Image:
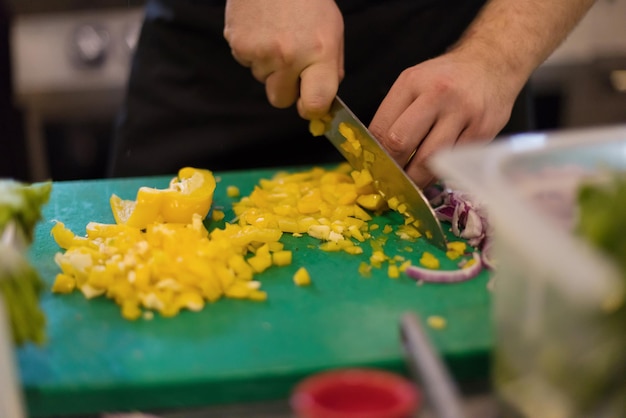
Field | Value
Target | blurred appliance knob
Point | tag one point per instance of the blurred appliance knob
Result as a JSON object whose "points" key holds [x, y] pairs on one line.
{"points": [[90, 45], [131, 36]]}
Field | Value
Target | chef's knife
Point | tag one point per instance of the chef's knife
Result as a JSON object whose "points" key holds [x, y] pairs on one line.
{"points": [[389, 178]]}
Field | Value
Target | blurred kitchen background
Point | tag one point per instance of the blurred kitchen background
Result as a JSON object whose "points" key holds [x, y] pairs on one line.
{"points": [[64, 63]]}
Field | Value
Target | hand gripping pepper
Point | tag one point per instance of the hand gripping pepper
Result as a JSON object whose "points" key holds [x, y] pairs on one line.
{"points": [[188, 193]]}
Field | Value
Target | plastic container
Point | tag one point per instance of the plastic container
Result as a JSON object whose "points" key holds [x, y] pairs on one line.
{"points": [[559, 339], [355, 393]]}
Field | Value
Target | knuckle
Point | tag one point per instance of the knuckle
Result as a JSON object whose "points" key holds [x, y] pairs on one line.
{"points": [[342, 74], [396, 142], [315, 101], [408, 74], [392, 141], [281, 52], [314, 106], [444, 86], [253, 50], [280, 101], [377, 131], [239, 47], [486, 126]]}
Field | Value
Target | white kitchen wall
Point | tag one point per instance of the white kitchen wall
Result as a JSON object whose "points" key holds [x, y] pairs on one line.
{"points": [[601, 33]]}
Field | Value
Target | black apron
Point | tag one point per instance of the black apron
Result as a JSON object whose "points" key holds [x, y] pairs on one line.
{"points": [[189, 103]]}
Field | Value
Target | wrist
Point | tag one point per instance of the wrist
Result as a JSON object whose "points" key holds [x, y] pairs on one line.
{"points": [[504, 67]]}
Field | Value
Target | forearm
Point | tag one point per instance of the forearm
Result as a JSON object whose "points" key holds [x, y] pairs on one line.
{"points": [[516, 36]]}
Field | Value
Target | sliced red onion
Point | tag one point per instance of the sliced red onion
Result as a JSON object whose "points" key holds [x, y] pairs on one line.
{"points": [[435, 194], [446, 276], [460, 209], [444, 212], [473, 226], [468, 219], [485, 254], [467, 216]]}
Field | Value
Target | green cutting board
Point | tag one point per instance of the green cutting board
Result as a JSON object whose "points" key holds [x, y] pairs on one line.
{"points": [[233, 350]]}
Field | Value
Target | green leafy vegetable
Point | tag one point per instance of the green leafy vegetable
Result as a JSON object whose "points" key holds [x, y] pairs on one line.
{"points": [[602, 222], [22, 204], [20, 284], [601, 218]]}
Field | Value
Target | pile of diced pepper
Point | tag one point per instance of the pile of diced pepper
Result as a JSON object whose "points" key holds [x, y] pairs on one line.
{"points": [[159, 255]]}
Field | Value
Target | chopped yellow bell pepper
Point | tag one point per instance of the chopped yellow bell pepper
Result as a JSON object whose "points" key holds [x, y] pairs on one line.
{"points": [[377, 258], [352, 144], [302, 277], [372, 201], [393, 271], [365, 269], [429, 261], [232, 191], [159, 256], [189, 193], [317, 127], [218, 215], [64, 283], [257, 295], [282, 258], [455, 249], [436, 322], [166, 267]]}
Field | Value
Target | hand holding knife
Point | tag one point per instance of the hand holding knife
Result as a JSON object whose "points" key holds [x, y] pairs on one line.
{"points": [[391, 180]]}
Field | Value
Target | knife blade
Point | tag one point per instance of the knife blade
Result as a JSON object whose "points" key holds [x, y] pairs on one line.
{"points": [[355, 142]]}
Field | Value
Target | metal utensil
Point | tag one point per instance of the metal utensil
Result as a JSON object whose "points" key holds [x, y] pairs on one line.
{"points": [[441, 391], [389, 178]]}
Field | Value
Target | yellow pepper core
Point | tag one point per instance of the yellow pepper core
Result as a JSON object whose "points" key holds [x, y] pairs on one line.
{"points": [[191, 192]]}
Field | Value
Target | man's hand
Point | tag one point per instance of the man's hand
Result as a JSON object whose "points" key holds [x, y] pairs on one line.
{"points": [[294, 47], [441, 102], [467, 94]]}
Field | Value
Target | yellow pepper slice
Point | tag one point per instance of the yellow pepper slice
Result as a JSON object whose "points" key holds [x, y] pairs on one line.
{"points": [[189, 193]]}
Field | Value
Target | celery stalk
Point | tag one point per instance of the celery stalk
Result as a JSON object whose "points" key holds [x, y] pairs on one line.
{"points": [[20, 284]]}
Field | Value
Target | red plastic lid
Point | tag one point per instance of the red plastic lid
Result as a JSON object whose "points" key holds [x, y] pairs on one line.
{"points": [[351, 393]]}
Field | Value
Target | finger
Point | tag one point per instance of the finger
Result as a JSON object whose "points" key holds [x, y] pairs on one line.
{"points": [[281, 88], [469, 137], [390, 109], [318, 87], [261, 71], [481, 131], [402, 121], [341, 62], [409, 130], [403, 135], [444, 134]]}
